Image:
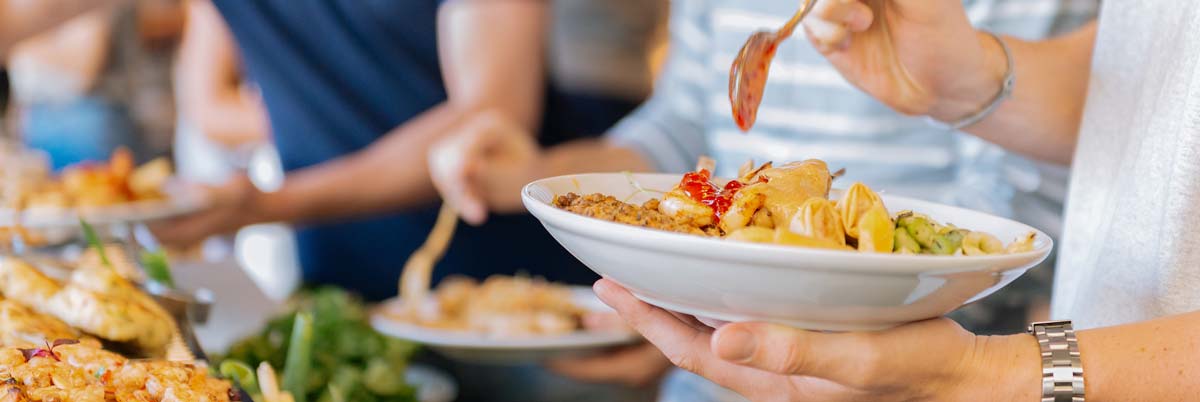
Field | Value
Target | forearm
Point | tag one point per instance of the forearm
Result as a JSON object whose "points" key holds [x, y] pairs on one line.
{"points": [[1155, 360], [233, 120], [1042, 117], [209, 82], [1145, 361], [390, 175], [20, 19]]}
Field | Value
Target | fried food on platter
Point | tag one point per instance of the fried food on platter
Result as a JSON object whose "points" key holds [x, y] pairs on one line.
{"points": [[95, 299], [94, 184], [71, 371]]}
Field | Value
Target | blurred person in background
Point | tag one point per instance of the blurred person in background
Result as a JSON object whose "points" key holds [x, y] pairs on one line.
{"points": [[20, 19], [221, 115], [355, 92], [99, 82], [809, 111]]}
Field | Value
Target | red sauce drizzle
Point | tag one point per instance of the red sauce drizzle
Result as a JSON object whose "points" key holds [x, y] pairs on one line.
{"points": [[699, 187]]}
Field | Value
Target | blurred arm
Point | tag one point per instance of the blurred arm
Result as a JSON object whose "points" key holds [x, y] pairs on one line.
{"points": [[209, 82], [1042, 118], [492, 58], [23, 18]]}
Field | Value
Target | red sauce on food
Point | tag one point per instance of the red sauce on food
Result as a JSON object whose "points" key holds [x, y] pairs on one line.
{"points": [[699, 187]]}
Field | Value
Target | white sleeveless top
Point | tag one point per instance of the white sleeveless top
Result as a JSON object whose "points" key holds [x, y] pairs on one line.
{"points": [[1131, 250]]}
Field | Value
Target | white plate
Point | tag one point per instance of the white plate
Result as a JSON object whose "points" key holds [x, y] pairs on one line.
{"points": [[482, 348], [432, 385], [816, 289], [180, 202]]}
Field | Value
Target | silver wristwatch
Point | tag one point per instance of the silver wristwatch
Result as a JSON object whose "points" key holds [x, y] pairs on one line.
{"points": [[1062, 371]]}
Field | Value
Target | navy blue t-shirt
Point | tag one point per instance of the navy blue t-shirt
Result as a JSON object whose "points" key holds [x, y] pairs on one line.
{"points": [[338, 74]]}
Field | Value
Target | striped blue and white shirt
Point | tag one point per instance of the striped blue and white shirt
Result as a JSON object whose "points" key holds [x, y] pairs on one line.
{"points": [[810, 111]]}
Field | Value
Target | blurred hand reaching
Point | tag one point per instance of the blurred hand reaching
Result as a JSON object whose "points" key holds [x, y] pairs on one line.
{"points": [[482, 165], [228, 207]]}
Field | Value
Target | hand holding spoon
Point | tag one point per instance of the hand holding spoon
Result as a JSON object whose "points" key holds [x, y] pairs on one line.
{"points": [[748, 75]]}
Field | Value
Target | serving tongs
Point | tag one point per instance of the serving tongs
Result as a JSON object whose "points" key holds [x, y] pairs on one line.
{"points": [[418, 270], [185, 309]]}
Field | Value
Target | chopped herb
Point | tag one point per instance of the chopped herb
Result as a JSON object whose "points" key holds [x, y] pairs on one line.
{"points": [[158, 268], [93, 240]]}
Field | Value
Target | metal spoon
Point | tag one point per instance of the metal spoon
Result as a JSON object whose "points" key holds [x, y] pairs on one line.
{"points": [[748, 74]]}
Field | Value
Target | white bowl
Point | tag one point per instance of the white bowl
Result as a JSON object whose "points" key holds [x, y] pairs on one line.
{"points": [[482, 348], [719, 280], [432, 385]]}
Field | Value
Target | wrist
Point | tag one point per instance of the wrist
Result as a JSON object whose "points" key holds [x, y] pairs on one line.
{"points": [[977, 87], [256, 206], [263, 207], [1011, 369]]}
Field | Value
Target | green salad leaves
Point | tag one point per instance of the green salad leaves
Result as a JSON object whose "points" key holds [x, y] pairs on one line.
{"points": [[329, 352]]}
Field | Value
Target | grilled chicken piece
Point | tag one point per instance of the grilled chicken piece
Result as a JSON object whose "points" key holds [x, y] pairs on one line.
{"points": [[95, 299], [20, 326]]}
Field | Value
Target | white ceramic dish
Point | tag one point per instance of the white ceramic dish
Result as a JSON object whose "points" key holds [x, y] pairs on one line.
{"points": [[720, 280], [180, 202], [432, 385], [481, 348]]}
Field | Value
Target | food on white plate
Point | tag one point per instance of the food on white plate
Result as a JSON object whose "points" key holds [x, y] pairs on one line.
{"points": [[500, 306], [790, 205], [95, 299], [91, 184], [69, 370]]}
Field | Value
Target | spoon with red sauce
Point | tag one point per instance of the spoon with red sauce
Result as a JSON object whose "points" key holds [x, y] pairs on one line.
{"points": [[748, 75]]}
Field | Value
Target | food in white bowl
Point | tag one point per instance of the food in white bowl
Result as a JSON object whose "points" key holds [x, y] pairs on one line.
{"points": [[790, 205], [822, 286]]}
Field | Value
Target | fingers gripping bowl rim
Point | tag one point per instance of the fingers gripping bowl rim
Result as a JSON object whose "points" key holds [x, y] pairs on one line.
{"points": [[803, 287]]}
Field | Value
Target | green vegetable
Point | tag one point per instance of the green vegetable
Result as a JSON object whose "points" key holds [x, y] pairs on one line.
{"points": [[346, 353], [335, 394], [94, 241], [243, 375], [299, 358], [157, 267], [381, 378], [948, 243], [905, 243], [920, 229]]}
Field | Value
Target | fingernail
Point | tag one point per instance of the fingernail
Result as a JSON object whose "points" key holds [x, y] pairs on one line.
{"points": [[735, 344], [601, 287], [474, 214]]}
